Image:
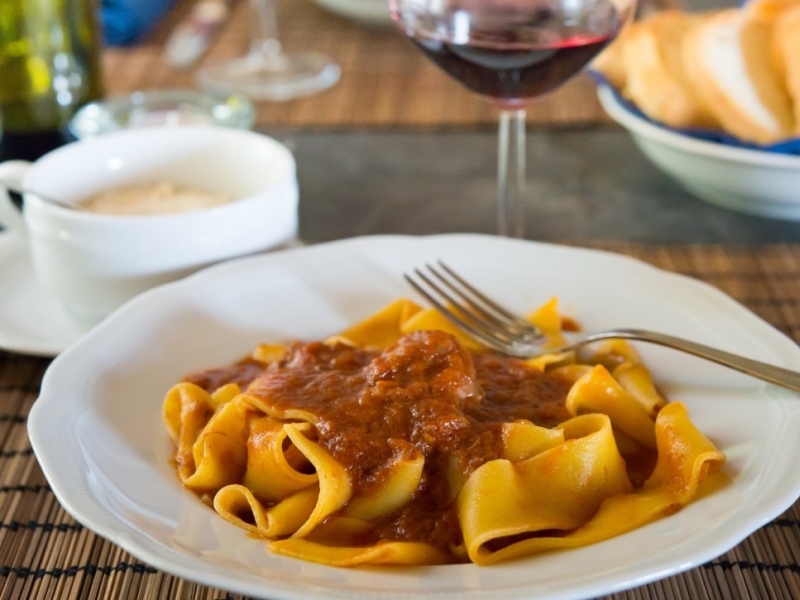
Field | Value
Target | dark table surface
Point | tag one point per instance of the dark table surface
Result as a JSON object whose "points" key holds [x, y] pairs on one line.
{"points": [[584, 185]]}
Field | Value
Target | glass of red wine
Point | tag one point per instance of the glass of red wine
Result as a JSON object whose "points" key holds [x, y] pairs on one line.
{"points": [[511, 52]]}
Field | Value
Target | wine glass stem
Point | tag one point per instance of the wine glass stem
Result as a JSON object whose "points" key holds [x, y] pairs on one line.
{"points": [[511, 173], [264, 35]]}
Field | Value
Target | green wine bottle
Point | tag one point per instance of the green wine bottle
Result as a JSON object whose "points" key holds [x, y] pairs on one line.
{"points": [[49, 67]]}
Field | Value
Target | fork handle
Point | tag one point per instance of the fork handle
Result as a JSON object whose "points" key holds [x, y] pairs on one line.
{"points": [[779, 376]]}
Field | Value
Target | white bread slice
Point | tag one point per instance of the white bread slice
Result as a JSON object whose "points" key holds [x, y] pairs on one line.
{"points": [[767, 11], [727, 59], [656, 81], [786, 55], [610, 62]]}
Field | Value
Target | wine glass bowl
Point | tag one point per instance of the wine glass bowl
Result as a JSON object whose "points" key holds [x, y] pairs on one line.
{"points": [[271, 76], [266, 72], [511, 52]]}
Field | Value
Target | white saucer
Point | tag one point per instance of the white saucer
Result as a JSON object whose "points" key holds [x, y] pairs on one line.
{"points": [[31, 321]]}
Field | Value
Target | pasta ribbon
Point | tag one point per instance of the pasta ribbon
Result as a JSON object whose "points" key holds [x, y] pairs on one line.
{"points": [[401, 481], [432, 320], [611, 353], [598, 391], [186, 410], [685, 454], [637, 381], [263, 405], [548, 319], [682, 468], [334, 483], [269, 473], [382, 553], [551, 360], [573, 372], [557, 489], [382, 329], [268, 353], [238, 505], [523, 439], [335, 542], [220, 452]]}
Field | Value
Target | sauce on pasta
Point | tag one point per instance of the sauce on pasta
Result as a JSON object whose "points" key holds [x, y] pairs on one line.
{"points": [[426, 393]]}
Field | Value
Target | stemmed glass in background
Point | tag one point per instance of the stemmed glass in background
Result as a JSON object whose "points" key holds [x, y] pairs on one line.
{"points": [[511, 52], [266, 72]]}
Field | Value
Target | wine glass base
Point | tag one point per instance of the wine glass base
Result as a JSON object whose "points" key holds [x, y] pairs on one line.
{"points": [[271, 77]]}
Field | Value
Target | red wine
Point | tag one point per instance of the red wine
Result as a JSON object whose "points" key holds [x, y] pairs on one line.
{"points": [[509, 76], [514, 60]]}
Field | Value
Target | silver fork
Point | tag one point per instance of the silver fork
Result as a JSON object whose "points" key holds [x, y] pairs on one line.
{"points": [[497, 328]]}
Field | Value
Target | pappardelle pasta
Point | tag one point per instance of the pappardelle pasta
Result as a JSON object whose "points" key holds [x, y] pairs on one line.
{"points": [[401, 441]]}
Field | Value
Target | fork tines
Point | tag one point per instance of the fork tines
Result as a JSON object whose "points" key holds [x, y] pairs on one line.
{"points": [[470, 309]]}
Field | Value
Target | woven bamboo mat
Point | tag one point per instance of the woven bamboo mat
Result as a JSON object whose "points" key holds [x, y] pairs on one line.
{"points": [[45, 554], [385, 81]]}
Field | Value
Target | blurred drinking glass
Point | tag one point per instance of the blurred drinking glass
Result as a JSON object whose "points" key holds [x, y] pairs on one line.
{"points": [[266, 72]]}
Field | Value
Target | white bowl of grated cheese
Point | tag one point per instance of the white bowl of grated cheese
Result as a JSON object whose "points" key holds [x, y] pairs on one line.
{"points": [[162, 203]]}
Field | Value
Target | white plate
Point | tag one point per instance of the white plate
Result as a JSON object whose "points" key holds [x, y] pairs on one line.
{"points": [[369, 12], [31, 321], [741, 179], [97, 430]]}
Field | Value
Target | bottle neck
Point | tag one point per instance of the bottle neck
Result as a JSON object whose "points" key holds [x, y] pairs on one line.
{"points": [[49, 63]]}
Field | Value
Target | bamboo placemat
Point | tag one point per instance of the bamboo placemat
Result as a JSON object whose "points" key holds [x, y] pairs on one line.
{"points": [[45, 554], [385, 81]]}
